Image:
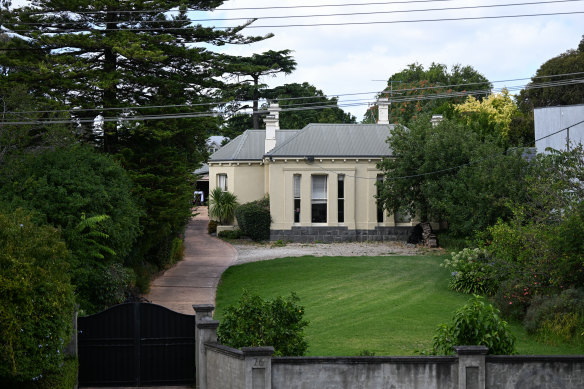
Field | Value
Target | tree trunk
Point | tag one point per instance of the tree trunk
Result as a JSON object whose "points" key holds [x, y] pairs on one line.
{"points": [[256, 97], [110, 132]]}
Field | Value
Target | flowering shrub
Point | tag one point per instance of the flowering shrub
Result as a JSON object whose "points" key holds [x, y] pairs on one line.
{"points": [[257, 322], [472, 271]]}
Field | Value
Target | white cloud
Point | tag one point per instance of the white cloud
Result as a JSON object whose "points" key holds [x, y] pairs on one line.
{"points": [[346, 59]]}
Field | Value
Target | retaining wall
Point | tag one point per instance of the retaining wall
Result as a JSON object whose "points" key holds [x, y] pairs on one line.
{"points": [[220, 367]]}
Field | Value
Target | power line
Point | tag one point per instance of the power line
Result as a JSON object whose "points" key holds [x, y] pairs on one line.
{"points": [[302, 107], [176, 29], [330, 5], [414, 21], [314, 15], [232, 9], [329, 96]]}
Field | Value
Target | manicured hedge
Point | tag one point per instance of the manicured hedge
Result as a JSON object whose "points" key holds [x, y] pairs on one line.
{"points": [[254, 219]]}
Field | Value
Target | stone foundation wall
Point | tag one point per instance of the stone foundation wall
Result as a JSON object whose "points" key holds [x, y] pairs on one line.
{"points": [[340, 234]]}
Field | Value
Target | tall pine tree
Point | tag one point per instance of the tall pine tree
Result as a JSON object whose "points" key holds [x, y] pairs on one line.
{"points": [[114, 61]]}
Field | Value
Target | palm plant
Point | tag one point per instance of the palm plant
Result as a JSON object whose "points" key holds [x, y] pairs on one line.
{"points": [[222, 205]]}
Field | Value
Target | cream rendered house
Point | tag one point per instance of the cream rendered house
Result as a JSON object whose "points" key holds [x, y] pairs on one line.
{"points": [[320, 180]]}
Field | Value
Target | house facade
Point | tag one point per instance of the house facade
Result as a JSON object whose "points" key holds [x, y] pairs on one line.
{"points": [[321, 180]]}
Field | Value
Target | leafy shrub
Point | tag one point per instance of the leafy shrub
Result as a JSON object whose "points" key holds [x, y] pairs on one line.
{"points": [[254, 220], [230, 234], [562, 327], [473, 271], [476, 323], [257, 322], [212, 226], [177, 250], [89, 197], [36, 299], [222, 205], [559, 317], [64, 378], [513, 298], [279, 243]]}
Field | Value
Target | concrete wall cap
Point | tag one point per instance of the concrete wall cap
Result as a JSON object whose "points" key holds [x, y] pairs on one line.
{"points": [[203, 307], [208, 324], [225, 350], [364, 360], [471, 350], [266, 351]]}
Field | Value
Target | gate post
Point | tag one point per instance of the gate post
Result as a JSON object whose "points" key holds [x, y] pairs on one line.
{"points": [[205, 332], [471, 366], [258, 367]]}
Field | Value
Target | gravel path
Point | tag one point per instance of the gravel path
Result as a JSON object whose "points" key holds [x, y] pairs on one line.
{"points": [[252, 252]]}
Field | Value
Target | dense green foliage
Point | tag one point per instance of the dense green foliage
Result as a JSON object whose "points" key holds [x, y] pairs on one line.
{"points": [[414, 91], [118, 71], [450, 172], [255, 321], [64, 378], [230, 234], [541, 246], [222, 205], [254, 219], [533, 96], [36, 298], [476, 323], [557, 318], [89, 197]]}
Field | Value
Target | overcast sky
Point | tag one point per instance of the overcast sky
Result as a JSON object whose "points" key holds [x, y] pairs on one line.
{"points": [[360, 58], [350, 59]]}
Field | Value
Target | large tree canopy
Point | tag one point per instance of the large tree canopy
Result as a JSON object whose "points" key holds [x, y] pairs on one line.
{"points": [[449, 173], [114, 62], [416, 91], [301, 105], [537, 95], [296, 100], [269, 63]]}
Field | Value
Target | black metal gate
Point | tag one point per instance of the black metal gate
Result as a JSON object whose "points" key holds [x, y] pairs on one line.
{"points": [[136, 344]]}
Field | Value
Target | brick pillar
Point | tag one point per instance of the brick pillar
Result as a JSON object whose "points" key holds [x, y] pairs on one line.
{"points": [[258, 367], [471, 366], [205, 332]]}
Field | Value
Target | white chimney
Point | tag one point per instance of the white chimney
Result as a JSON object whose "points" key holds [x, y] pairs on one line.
{"points": [[383, 110], [272, 121], [436, 119]]}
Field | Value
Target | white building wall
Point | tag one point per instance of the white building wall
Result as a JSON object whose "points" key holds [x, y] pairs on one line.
{"points": [[552, 119]]}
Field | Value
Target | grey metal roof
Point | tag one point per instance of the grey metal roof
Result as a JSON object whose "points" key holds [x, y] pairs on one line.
{"points": [[249, 146], [337, 140], [204, 169]]}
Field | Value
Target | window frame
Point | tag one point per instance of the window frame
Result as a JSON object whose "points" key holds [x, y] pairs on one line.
{"points": [[296, 194], [341, 198], [220, 176], [319, 205]]}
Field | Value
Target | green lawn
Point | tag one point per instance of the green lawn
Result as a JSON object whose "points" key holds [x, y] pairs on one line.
{"points": [[388, 305]]}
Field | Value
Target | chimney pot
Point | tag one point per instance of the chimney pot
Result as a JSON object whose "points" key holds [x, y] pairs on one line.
{"points": [[272, 121], [383, 110]]}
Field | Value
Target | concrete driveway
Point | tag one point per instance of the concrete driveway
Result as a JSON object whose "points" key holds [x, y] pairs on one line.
{"points": [[194, 279]]}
